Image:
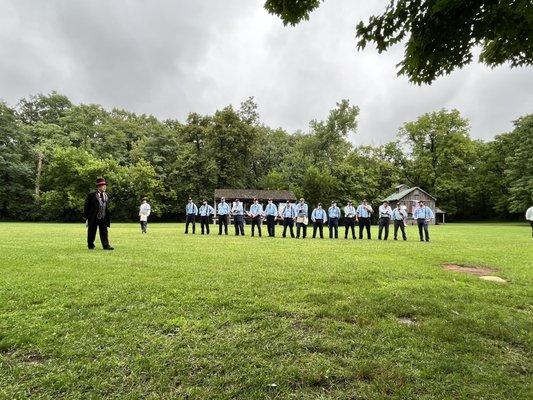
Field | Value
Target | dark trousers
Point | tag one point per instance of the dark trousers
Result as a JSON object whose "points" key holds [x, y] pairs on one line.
{"points": [[238, 221], [223, 220], [318, 224], [364, 223], [333, 225], [349, 223], [144, 225], [256, 221], [303, 227], [383, 223], [204, 224], [399, 224], [190, 219], [101, 225], [288, 222], [531, 228], [423, 228], [271, 225]]}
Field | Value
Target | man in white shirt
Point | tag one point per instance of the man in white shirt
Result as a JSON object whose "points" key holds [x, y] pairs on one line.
{"points": [[144, 213], [529, 217], [350, 219], [385, 214]]}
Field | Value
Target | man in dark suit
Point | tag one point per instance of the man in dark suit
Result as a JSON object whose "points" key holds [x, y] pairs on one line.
{"points": [[96, 213]]}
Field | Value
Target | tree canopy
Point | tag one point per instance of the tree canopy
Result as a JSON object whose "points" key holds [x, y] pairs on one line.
{"points": [[439, 35], [51, 152]]}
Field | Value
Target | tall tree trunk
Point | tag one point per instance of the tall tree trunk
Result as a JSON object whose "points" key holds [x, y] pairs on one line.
{"points": [[40, 157]]}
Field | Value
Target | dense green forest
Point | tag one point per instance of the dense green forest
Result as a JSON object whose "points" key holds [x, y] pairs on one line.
{"points": [[51, 152]]}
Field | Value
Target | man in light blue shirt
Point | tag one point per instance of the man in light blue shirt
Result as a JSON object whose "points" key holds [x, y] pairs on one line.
{"points": [[223, 215], [271, 212], [302, 218], [191, 211], [288, 214], [256, 212], [423, 215], [205, 213], [334, 214], [318, 216], [398, 219], [238, 217], [364, 212]]}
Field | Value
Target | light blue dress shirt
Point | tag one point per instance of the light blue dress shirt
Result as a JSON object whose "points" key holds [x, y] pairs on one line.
{"points": [[289, 211], [256, 209], [319, 213], [363, 212], [334, 212], [398, 214], [423, 212], [271, 209], [191, 208], [223, 208], [206, 210]]}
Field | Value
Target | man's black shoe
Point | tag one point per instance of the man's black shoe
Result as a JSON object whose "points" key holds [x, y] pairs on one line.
{"points": [[91, 248], [109, 248]]}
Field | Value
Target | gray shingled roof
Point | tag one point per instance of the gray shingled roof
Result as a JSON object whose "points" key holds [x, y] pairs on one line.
{"points": [[248, 194], [403, 193]]}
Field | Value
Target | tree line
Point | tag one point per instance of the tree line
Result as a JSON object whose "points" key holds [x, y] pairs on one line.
{"points": [[52, 150]]}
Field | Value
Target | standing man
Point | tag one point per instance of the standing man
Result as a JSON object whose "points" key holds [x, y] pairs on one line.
{"points": [[223, 215], [302, 218], [271, 212], [350, 218], [191, 211], [398, 218], [238, 217], [256, 212], [423, 215], [529, 217], [96, 214], [318, 216], [144, 212], [205, 213], [364, 212], [288, 215], [334, 214], [385, 214]]}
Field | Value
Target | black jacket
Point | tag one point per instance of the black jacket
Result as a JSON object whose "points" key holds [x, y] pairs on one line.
{"points": [[92, 205]]}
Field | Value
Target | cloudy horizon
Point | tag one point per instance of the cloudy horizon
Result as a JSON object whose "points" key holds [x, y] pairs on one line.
{"points": [[169, 58]]}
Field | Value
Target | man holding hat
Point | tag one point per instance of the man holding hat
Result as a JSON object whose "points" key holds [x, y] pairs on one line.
{"points": [[256, 212], [205, 212], [423, 215], [96, 213]]}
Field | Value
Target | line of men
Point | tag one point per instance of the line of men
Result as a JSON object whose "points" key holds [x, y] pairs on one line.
{"points": [[297, 214]]}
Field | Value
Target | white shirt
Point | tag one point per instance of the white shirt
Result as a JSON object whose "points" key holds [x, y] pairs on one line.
{"points": [[144, 211], [529, 214], [385, 211]]}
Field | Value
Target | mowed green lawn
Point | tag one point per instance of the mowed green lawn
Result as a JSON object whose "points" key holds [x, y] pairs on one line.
{"points": [[172, 316]]}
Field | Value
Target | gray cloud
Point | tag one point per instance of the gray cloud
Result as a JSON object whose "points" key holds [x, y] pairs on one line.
{"points": [[168, 58]]}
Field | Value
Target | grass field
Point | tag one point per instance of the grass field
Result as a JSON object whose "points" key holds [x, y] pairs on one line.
{"points": [[172, 316]]}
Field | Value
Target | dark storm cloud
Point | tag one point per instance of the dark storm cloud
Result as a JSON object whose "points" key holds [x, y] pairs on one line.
{"points": [[171, 57]]}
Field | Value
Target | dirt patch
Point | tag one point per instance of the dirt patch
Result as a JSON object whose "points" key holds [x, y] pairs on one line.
{"points": [[471, 270]]}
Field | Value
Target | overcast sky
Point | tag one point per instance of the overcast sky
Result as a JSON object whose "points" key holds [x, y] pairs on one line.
{"points": [[169, 58]]}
